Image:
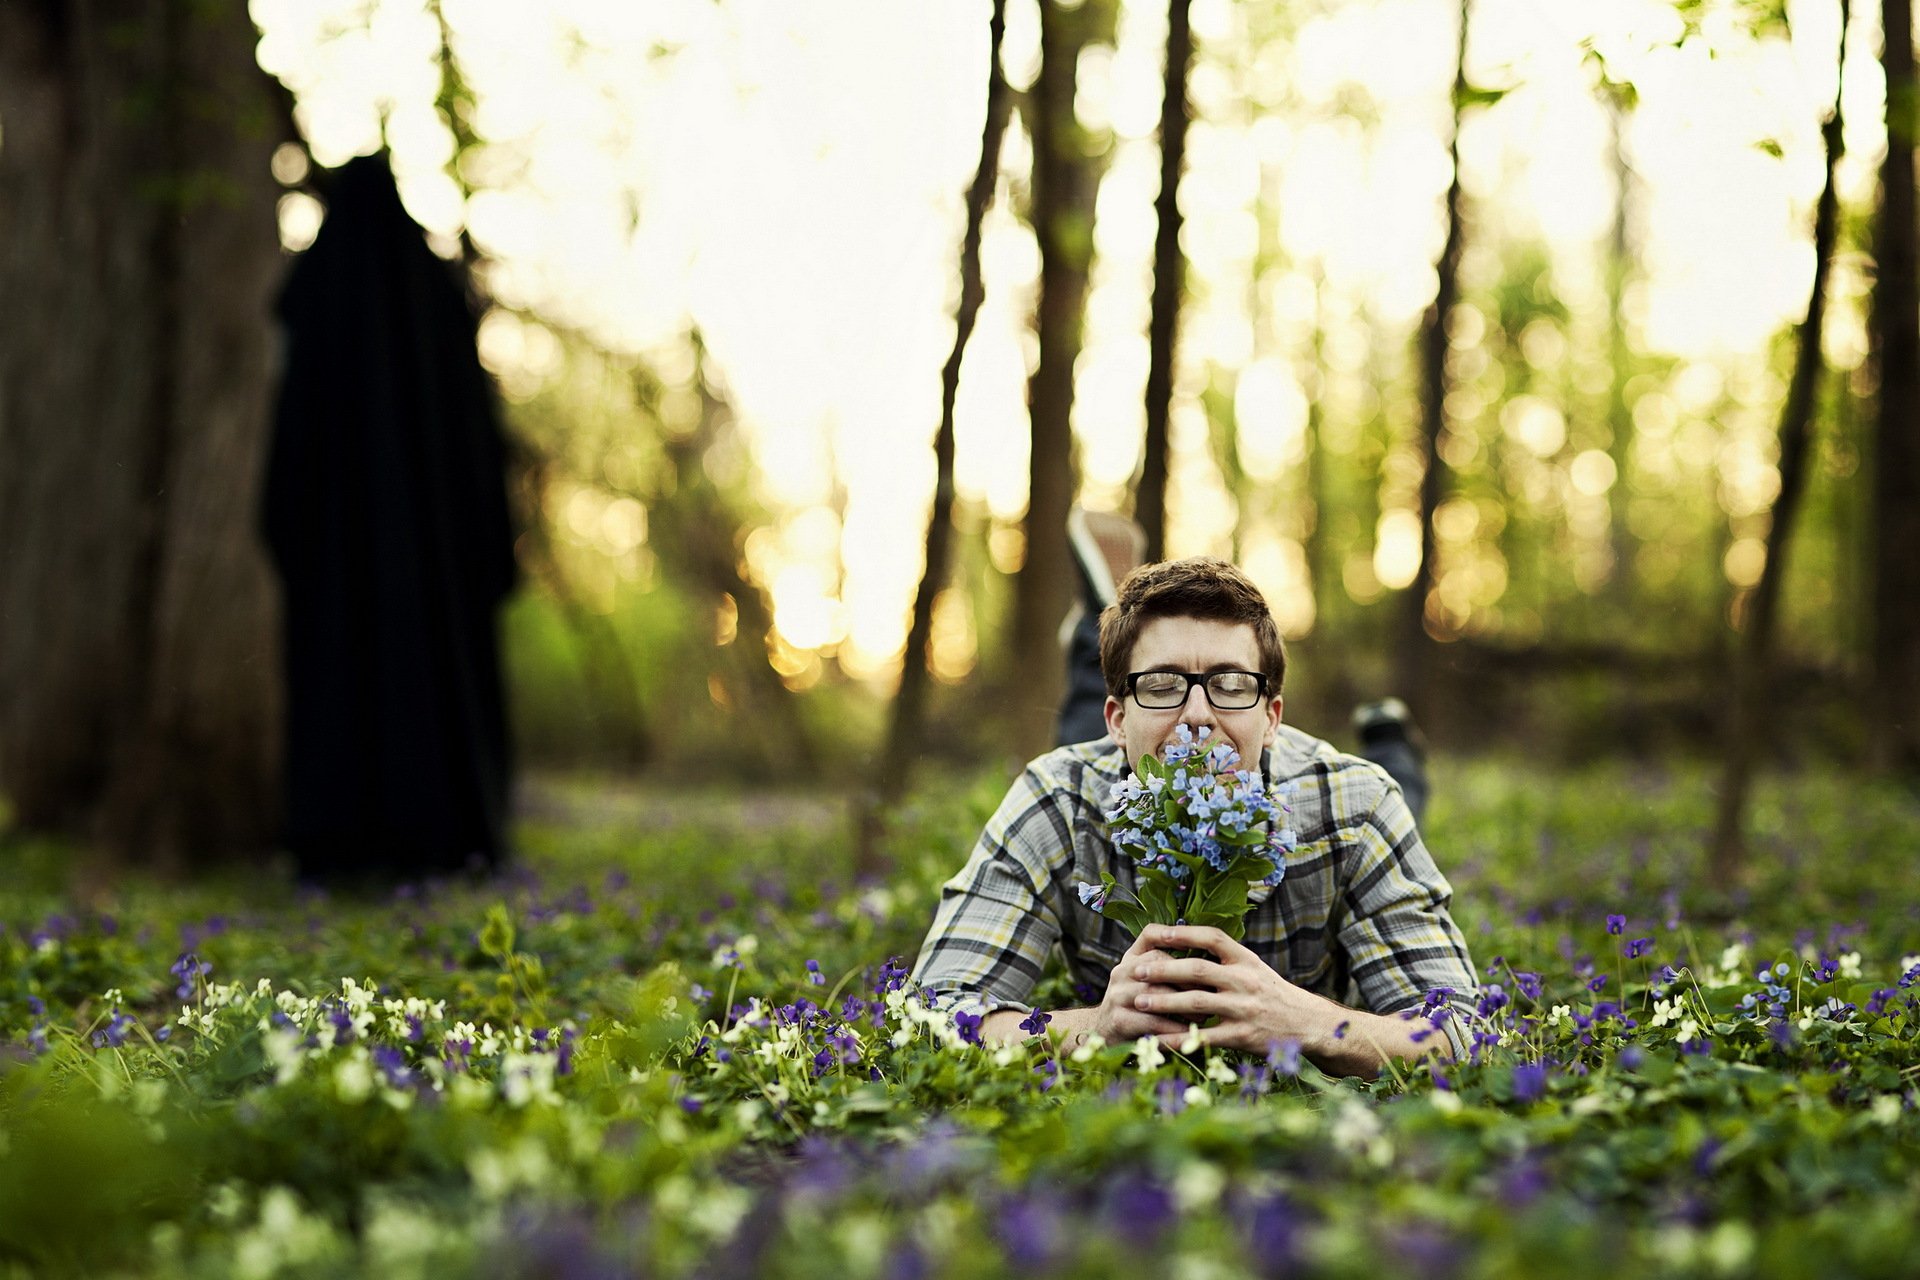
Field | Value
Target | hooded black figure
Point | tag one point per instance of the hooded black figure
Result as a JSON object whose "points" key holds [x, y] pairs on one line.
{"points": [[386, 514]]}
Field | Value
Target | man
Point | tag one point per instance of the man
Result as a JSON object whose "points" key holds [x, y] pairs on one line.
{"points": [[1356, 933]]}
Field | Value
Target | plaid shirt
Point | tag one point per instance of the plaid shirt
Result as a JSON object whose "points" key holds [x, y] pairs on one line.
{"points": [[1361, 916]]}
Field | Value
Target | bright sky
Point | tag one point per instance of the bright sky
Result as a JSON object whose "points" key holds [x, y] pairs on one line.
{"points": [[789, 177]]}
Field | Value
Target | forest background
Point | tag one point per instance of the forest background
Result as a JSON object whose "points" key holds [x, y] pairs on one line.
{"points": [[1550, 365]]}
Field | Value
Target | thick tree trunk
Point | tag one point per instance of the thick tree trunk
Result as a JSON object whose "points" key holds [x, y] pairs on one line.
{"points": [[1169, 281], [1753, 664], [138, 259], [909, 707], [1413, 649], [1893, 712], [1065, 181]]}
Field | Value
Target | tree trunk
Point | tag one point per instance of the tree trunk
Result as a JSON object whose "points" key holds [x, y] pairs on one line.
{"points": [[1747, 712], [1622, 257], [1169, 280], [1893, 712], [1065, 182], [909, 706], [139, 674], [1413, 648], [698, 538], [1323, 570]]}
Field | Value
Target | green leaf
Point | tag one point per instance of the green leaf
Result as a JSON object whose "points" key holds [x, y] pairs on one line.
{"points": [[496, 935], [1159, 895], [1469, 96], [1128, 915]]}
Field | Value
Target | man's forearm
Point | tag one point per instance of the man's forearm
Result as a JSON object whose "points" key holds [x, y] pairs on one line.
{"points": [[1350, 1043], [1070, 1027], [1361, 1044]]}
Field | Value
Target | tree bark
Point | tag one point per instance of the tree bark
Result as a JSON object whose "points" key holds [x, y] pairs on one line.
{"points": [[1747, 712], [1893, 712], [909, 707], [139, 254], [1413, 656], [1065, 182], [1169, 281], [1621, 259], [698, 538]]}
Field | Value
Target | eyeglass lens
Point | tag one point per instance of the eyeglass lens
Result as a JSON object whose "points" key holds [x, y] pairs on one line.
{"points": [[1226, 690]]}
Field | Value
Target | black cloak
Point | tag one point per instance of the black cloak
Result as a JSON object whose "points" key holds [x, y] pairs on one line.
{"points": [[386, 515]]}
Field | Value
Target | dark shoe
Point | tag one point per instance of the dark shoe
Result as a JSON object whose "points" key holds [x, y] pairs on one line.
{"points": [[1387, 720], [1106, 548]]}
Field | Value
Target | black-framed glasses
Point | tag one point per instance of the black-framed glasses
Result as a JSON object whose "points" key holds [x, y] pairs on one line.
{"points": [[1226, 690]]}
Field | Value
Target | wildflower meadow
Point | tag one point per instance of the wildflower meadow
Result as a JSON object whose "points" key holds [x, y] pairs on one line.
{"points": [[690, 1048]]}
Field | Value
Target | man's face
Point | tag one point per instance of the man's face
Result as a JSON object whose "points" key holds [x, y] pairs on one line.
{"points": [[1192, 644]]}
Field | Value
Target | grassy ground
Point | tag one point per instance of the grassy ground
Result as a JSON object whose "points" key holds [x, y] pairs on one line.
{"points": [[619, 1060]]}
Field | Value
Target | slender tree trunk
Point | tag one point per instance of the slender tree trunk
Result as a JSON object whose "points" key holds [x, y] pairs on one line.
{"points": [[909, 706], [1169, 281], [1413, 653], [1621, 258], [1893, 712], [1754, 661], [1323, 571], [139, 672], [1065, 182]]}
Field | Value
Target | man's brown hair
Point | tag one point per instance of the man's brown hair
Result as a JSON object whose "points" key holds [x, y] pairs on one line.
{"points": [[1200, 587]]}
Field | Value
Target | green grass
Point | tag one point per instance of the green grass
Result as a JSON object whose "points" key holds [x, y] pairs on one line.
{"points": [[586, 1123]]}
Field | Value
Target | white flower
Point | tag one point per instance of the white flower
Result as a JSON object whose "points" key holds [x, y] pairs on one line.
{"points": [[1687, 1030], [1198, 1184], [1732, 958], [353, 1076], [1886, 1109], [1850, 965], [282, 1049], [1146, 1053], [1355, 1127], [1664, 1012], [1218, 1071], [1560, 1013], [1088, 1047], [527, 1077], [1192, 1043]]}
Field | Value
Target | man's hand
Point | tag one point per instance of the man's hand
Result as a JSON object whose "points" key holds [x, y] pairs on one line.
{"points": [[1254, 1005], [1257, 1008], [1122, 1015], [1117, 1019]]}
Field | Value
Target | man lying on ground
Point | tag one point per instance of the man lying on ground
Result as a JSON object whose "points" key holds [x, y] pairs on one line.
{"points": [[1356, 934]]}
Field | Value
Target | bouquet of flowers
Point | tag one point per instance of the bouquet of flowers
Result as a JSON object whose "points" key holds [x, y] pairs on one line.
{"points": [[1201, 834]]}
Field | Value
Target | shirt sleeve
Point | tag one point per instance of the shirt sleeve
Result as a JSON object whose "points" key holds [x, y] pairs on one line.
{"points": [[997, 920], [1403, 949]]}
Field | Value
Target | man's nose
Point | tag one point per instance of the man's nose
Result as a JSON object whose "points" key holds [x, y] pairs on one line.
{"points": [[1199, 708]]}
